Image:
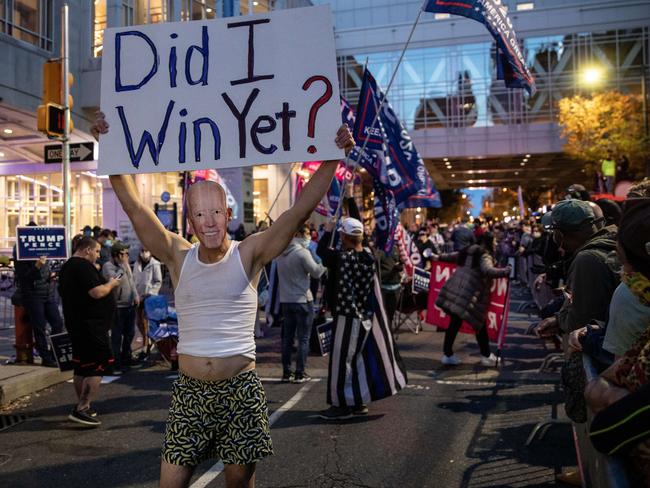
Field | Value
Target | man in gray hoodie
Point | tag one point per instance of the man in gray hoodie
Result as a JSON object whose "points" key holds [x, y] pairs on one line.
{"points": [[295, 268], [127, 299]]}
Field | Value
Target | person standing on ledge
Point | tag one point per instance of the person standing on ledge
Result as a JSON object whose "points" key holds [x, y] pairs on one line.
{"points": [[218, 407]]}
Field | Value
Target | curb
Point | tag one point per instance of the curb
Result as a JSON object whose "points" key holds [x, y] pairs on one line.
{"points": [[17, 381]]}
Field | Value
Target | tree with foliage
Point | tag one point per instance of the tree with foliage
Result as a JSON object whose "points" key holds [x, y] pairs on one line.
{"points": [[606, 122]]}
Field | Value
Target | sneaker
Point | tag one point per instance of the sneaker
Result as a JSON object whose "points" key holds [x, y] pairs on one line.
{"points": [[336, 413], [287, 377], [301, 378], [83, 417], [360, 409], [489, 361], [142, 356], [91, 411], [452, 360]]}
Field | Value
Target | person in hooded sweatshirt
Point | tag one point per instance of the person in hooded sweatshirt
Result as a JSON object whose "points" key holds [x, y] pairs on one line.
{"points": [[296, 266]]}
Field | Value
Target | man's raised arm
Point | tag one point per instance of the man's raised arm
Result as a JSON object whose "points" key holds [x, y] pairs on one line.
{"points": [[263, 247], [150, 231], [161, 242]]}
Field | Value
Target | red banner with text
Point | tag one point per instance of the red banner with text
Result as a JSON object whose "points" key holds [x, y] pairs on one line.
{"points": [[497, 316]]}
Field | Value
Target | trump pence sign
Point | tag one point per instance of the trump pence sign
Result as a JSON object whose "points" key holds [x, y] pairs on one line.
{"points": [[220, 93], [34, 242]]}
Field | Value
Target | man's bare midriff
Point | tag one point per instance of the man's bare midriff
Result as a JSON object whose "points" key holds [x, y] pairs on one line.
{"points": [[214, 369]]}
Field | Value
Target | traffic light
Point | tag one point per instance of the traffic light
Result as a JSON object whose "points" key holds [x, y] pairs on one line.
{"points": [[51, 114]]}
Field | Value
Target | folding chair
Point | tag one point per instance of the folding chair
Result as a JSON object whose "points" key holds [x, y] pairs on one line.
{"points": [[407, 304]]}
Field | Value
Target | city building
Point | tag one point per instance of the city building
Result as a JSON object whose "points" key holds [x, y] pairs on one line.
{"points": [[470, 129], [32, 190]]}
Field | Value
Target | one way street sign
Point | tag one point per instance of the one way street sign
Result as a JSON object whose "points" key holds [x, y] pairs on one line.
{"points": [[81, 151]]}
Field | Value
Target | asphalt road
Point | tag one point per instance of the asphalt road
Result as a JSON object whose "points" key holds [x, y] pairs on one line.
{"points": [[461, 427]]}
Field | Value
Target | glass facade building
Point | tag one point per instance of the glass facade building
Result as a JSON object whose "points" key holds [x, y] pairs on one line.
{"points": [[446, 90], [455, 86]]}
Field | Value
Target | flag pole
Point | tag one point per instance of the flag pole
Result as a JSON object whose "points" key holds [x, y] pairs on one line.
{"points": [[372, 126], [268, 212]]}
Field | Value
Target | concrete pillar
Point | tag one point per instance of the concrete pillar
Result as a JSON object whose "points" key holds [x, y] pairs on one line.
{"points": [[113, 13]]}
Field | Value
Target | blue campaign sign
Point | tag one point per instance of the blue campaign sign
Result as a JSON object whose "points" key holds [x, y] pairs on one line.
{"points": [[34, 242]]}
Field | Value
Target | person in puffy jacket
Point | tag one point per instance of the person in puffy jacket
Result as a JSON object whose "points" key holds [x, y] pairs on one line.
{"points": [[466, 295]]}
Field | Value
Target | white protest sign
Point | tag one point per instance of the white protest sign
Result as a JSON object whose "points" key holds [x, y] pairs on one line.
{"points": [[220, 93]]}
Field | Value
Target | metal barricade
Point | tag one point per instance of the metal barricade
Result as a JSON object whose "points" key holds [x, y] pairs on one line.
{"points": [[7, 289], [598, 470]]}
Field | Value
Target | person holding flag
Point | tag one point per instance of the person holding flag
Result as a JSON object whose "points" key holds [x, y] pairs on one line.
{"points": [[364, 364]]}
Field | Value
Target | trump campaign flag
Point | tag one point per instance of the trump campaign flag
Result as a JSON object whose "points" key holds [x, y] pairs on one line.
{"points": [[386, 217], [427, 196], [511, 65], [390, 155]]}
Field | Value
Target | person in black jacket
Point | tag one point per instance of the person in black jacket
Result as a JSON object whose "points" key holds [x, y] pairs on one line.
{"points": [[466, 295], [35, 280]]}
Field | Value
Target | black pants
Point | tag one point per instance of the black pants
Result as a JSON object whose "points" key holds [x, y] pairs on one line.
{"points": [[390, 298], [452, 332], [42, 311]]}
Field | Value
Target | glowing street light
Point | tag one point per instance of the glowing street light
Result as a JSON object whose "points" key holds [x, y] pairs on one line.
{"points": [[591, 75]]}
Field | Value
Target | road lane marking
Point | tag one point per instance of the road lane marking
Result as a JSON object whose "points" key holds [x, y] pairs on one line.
{"points": [[207, 477]]}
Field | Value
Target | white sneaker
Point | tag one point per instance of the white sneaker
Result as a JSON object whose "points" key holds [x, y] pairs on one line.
{"points": [[452, 360], [490, 361]]}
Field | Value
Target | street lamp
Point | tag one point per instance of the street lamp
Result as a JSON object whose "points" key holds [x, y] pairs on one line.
{"points": [[591, 75]]}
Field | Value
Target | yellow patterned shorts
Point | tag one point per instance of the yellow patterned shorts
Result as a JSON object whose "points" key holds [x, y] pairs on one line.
{"points": [[226, 420]]}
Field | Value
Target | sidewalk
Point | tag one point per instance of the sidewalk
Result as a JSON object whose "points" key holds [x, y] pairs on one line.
{"points": [[421, 353], [17, 380]]}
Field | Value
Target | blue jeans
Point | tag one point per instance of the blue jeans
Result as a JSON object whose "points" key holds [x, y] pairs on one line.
{"points": [[298, 319], [42, 311], [122, 335]]}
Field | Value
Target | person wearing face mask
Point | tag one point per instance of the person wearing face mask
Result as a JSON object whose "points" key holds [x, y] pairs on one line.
{"points": [[105, 240], [295, 268], [148, 280], [593, 276], [127, 299]]}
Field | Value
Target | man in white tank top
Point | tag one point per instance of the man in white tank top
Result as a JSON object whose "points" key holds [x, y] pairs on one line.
{"points": [[218, 390]]}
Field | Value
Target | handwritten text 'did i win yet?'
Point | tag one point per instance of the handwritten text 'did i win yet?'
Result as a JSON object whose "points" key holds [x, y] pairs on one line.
{"points": [[222, 93]]}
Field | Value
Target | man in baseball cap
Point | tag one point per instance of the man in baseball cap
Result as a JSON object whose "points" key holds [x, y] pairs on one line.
{"points": [[579, 230], [355, 331], [351, 227]]}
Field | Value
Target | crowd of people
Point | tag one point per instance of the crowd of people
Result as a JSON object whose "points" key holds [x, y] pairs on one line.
{"points": [[585, 266]]}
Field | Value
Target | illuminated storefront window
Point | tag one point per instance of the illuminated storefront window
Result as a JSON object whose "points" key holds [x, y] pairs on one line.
{"points": [[39, 198], [260, 198], [151, 11], [99, 24], [258, 6], [199, 9]]}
